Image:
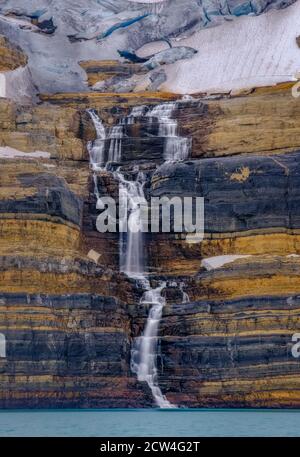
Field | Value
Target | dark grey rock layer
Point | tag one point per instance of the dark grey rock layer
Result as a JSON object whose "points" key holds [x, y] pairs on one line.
{"points": [[268, 196]]}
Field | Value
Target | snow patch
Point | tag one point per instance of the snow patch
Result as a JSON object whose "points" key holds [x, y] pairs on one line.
{"points": [[19, 85], [21, 23], [212, 263], [10, 153], [246, 52], [2, 85]]}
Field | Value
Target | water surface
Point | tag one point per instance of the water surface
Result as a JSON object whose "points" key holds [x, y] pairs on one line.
{"points": [[147, 423]]}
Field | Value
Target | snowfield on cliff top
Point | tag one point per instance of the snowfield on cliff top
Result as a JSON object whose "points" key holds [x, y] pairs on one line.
{"points": [[246, 52], [243, 51]]}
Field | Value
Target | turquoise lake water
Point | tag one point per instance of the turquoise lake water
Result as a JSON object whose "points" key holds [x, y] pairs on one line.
{"points": [[147, 423]]}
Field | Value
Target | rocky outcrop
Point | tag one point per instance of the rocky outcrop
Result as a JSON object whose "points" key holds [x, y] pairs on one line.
{"points": [[169, 56], [221, 182], [43, 128], [62, 127], [53, 207], [101, 70], [11, 56]]}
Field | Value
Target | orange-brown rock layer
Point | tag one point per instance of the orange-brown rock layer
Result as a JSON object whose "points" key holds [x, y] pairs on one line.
{"points": [[11, 56], [100, 70]]}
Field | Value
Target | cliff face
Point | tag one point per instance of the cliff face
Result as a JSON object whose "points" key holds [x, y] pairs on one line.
{"points": [[66, 351], [69, 317], [230, 353]]}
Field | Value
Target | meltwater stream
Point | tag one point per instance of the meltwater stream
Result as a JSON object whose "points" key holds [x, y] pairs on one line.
{"points": [[132, 255]]}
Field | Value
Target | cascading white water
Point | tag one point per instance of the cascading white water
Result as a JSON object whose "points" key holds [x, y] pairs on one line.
{"points": [[176, 148], [115, 146], [96, 148], [131, 248], [185, 297], [132, 255], [138, 111], [144, 352]]}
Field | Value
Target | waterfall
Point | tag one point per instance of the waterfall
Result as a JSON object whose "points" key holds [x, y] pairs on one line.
{"points": [[144, 352], [96, 148], [2, 346], [138, 111], [176, 148], [115, 147], [132, 249], [185, 297]]}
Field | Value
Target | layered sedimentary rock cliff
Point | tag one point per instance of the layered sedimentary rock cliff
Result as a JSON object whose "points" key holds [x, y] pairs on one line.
{"points": [[68, 316]]}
